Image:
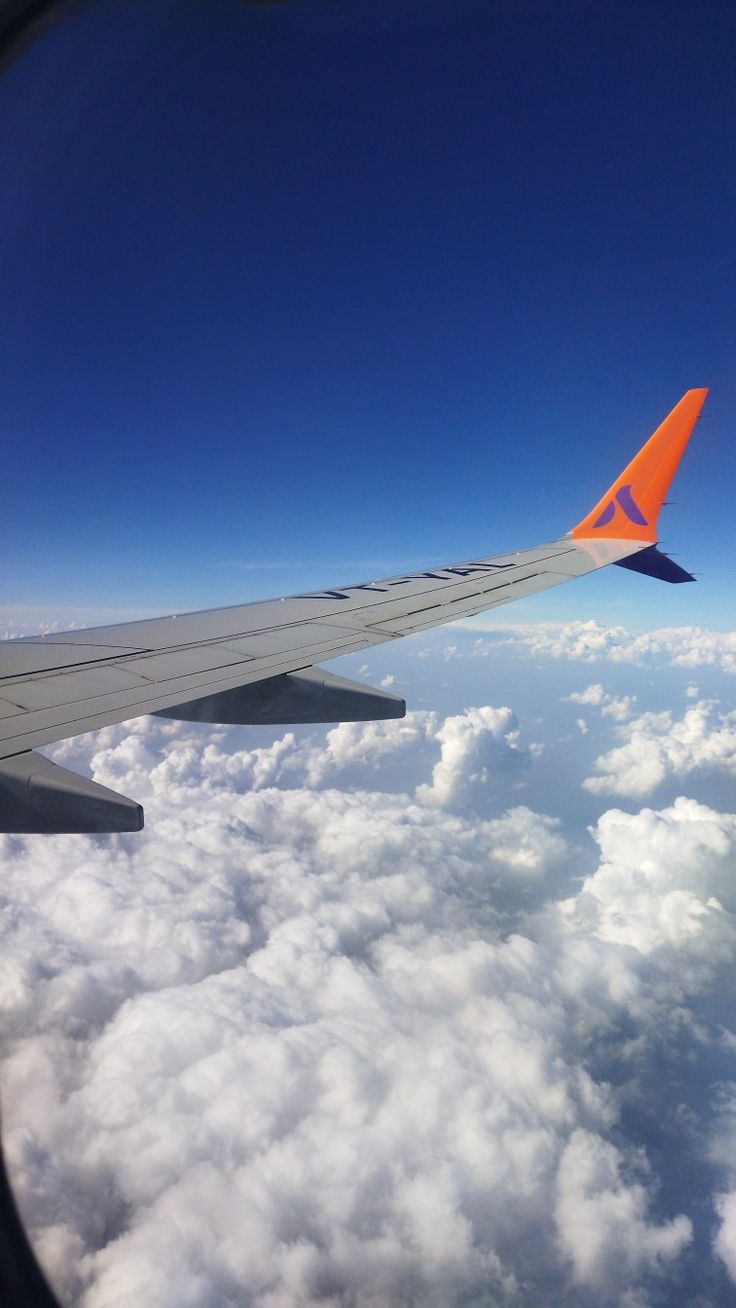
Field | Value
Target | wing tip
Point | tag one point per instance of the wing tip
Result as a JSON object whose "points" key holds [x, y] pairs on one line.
{"points": [[630, 507]]}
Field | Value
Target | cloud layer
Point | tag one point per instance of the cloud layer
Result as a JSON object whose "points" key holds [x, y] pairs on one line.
{"points": [[317, 1039], [591, 642]]}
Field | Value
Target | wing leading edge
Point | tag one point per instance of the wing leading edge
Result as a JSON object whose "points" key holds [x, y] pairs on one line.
{"points": [[256, 662]]}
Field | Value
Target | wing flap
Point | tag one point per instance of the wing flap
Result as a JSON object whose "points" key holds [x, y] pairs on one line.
{"points": [[19, 658], [169, 664], [51, 691], [301, 636], [8, 710]]}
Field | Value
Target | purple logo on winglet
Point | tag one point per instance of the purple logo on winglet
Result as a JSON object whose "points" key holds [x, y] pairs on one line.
{"points": [[630, 507], [626, 501], [606, 515]]}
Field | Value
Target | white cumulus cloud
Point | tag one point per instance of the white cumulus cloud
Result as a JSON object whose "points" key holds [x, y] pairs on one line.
{"points": [[603, 1217], [477, 746], [725, 1239], [618, 707], [277, 1115], [660, 745], [591, 642], [311, 1040]]}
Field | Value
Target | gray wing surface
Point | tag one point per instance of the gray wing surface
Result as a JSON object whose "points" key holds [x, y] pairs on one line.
{"points": [[66, 683], [256, 663]]}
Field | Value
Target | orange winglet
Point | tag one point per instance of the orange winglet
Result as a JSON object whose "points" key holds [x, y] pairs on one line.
{"points": [[629, 509]]}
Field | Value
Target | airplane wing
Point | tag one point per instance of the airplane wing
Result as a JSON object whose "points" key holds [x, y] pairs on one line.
{"points": [[255, 663]]}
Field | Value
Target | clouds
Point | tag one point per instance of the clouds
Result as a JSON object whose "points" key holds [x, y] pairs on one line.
{"points": [[476, 758], [477, 747], [661, 745], [725, 1240], [18, 620], [481, 755], [591, 642], [365, 749], [618, 707], [313, 1039], [603, 1217], [664, 886], [722, 1148]]}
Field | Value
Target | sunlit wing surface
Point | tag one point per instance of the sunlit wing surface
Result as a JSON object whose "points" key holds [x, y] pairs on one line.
{"points": [[256, 662]]}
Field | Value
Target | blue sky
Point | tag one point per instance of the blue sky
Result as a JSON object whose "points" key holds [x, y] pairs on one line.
{"points": [[325, 290]]}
